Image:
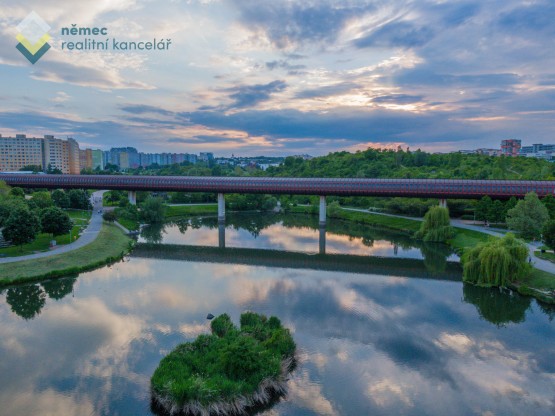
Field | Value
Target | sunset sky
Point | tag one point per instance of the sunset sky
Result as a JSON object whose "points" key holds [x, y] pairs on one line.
{"points": [[277, 77]]}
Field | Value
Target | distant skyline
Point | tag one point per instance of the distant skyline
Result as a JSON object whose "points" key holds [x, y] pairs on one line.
{"points": [[287, 77]]}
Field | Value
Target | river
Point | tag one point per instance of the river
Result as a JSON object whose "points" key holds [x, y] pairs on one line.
{"points": [[383, 325]]}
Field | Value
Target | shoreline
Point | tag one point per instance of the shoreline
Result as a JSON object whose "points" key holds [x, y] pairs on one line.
{"points": [[110, 246]]}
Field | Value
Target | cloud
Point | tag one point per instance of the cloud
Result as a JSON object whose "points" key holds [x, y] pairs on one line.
{"points": [[397, 99], [289, 24], [327, 90], [282, 64], [250, 95], [396, 34]]}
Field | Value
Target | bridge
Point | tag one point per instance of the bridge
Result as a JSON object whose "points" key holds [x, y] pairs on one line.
{"points": [[412, 188], [346, 263]]}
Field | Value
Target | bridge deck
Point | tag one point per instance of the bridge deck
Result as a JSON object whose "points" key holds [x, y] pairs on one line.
{"points": [[419, 188]]}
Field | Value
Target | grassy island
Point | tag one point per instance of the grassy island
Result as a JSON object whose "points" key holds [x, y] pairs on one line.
{"points": [[228, 371]]}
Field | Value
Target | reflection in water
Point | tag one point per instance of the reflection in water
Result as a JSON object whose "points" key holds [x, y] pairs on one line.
{"points": [[295, 233], [497, 306], [27, 300], [370, 343]]}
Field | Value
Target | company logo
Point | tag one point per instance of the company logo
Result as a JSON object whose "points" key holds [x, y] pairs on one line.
{"points": [[33, 37]]}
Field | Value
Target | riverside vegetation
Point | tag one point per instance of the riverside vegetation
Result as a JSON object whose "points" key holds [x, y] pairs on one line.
{"points": [[228, 371]]}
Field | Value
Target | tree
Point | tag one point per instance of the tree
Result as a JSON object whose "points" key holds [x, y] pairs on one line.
{"points": [[21, 227], [549, 234], [26, 301], [528, 217], [436, 226], [109, 216], [55, 221], [497, 212], [60, 199], [153, 210], [497, 262], [42, 199], [549, 202], [31, 168], [483, 208], [53, 170], [79, 199], [17, 192]]}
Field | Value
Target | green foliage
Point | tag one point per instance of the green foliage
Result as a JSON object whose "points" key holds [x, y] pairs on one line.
{"points": [[549, 234], [153, 210], [528, 217], [221, 325], [436, 226], [79, 199], [226, 365], [549, 202], [55, 221], [21, 227], [498, 262], [17, 192], [60, 198], [109, 216], [42, 199]]}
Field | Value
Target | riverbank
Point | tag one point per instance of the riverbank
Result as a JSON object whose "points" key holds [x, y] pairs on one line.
{"points": [[539, 284], [110, 245]]}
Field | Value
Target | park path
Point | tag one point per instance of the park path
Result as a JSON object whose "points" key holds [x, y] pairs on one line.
{"points": [[538, 263], [88, 236]]}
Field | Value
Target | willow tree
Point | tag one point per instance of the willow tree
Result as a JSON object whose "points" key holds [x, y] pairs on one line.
{"points": [[496, 262], [436, 226]]}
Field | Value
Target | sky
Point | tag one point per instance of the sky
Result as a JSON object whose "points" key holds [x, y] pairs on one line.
{"points": [[286, 77]]}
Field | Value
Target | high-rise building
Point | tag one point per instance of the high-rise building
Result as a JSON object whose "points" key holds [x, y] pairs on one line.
{"points": [[510, 147], [97, 159], [61, 154], [19, 151]]}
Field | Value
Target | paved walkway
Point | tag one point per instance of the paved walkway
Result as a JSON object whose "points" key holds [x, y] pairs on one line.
{"points": [[87, 237], [538, 263]]}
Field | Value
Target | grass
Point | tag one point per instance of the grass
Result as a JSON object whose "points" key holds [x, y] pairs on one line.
{"points": [[80, 220], [545, 256], [110, 245], [226, 372], [184, 210], [467, 238], [540, 280], [129, 224]]}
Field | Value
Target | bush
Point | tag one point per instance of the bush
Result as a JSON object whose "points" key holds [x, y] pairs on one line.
{"points": [[221, 325], [109, 216]]}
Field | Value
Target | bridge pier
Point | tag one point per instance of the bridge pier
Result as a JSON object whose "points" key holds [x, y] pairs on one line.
{"points": [[221, 208], [132, 197], [221, 235], [322, 240], [443, 203], [322, 211]]}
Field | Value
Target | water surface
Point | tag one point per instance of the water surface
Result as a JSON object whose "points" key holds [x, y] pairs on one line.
{"points": [[369, 343]]}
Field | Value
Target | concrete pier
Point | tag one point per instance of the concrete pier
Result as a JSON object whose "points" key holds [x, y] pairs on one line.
{"points": [[221, 208], [322, 211], [132, 197], [443, 203]]}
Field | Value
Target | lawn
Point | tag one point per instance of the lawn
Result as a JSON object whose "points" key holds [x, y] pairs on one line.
{"points": [[545, 256], [110, 245], [129, 224], [80, 220], [467, 238], [183, 210]]}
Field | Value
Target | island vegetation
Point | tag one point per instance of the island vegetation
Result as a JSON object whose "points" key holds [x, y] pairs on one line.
{"points": [[228, 371]]}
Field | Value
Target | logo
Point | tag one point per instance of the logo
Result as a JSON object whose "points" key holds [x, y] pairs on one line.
{"points": [[33, 37]]}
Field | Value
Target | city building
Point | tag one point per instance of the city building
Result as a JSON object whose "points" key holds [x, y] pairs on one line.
{"points": [[511, 147], [19, 151]]}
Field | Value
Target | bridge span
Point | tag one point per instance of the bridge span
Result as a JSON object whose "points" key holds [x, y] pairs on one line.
{"points": [[412, 188]]}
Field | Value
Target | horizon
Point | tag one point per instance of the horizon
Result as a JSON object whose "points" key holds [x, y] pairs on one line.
{"points": [[286, 78]]}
